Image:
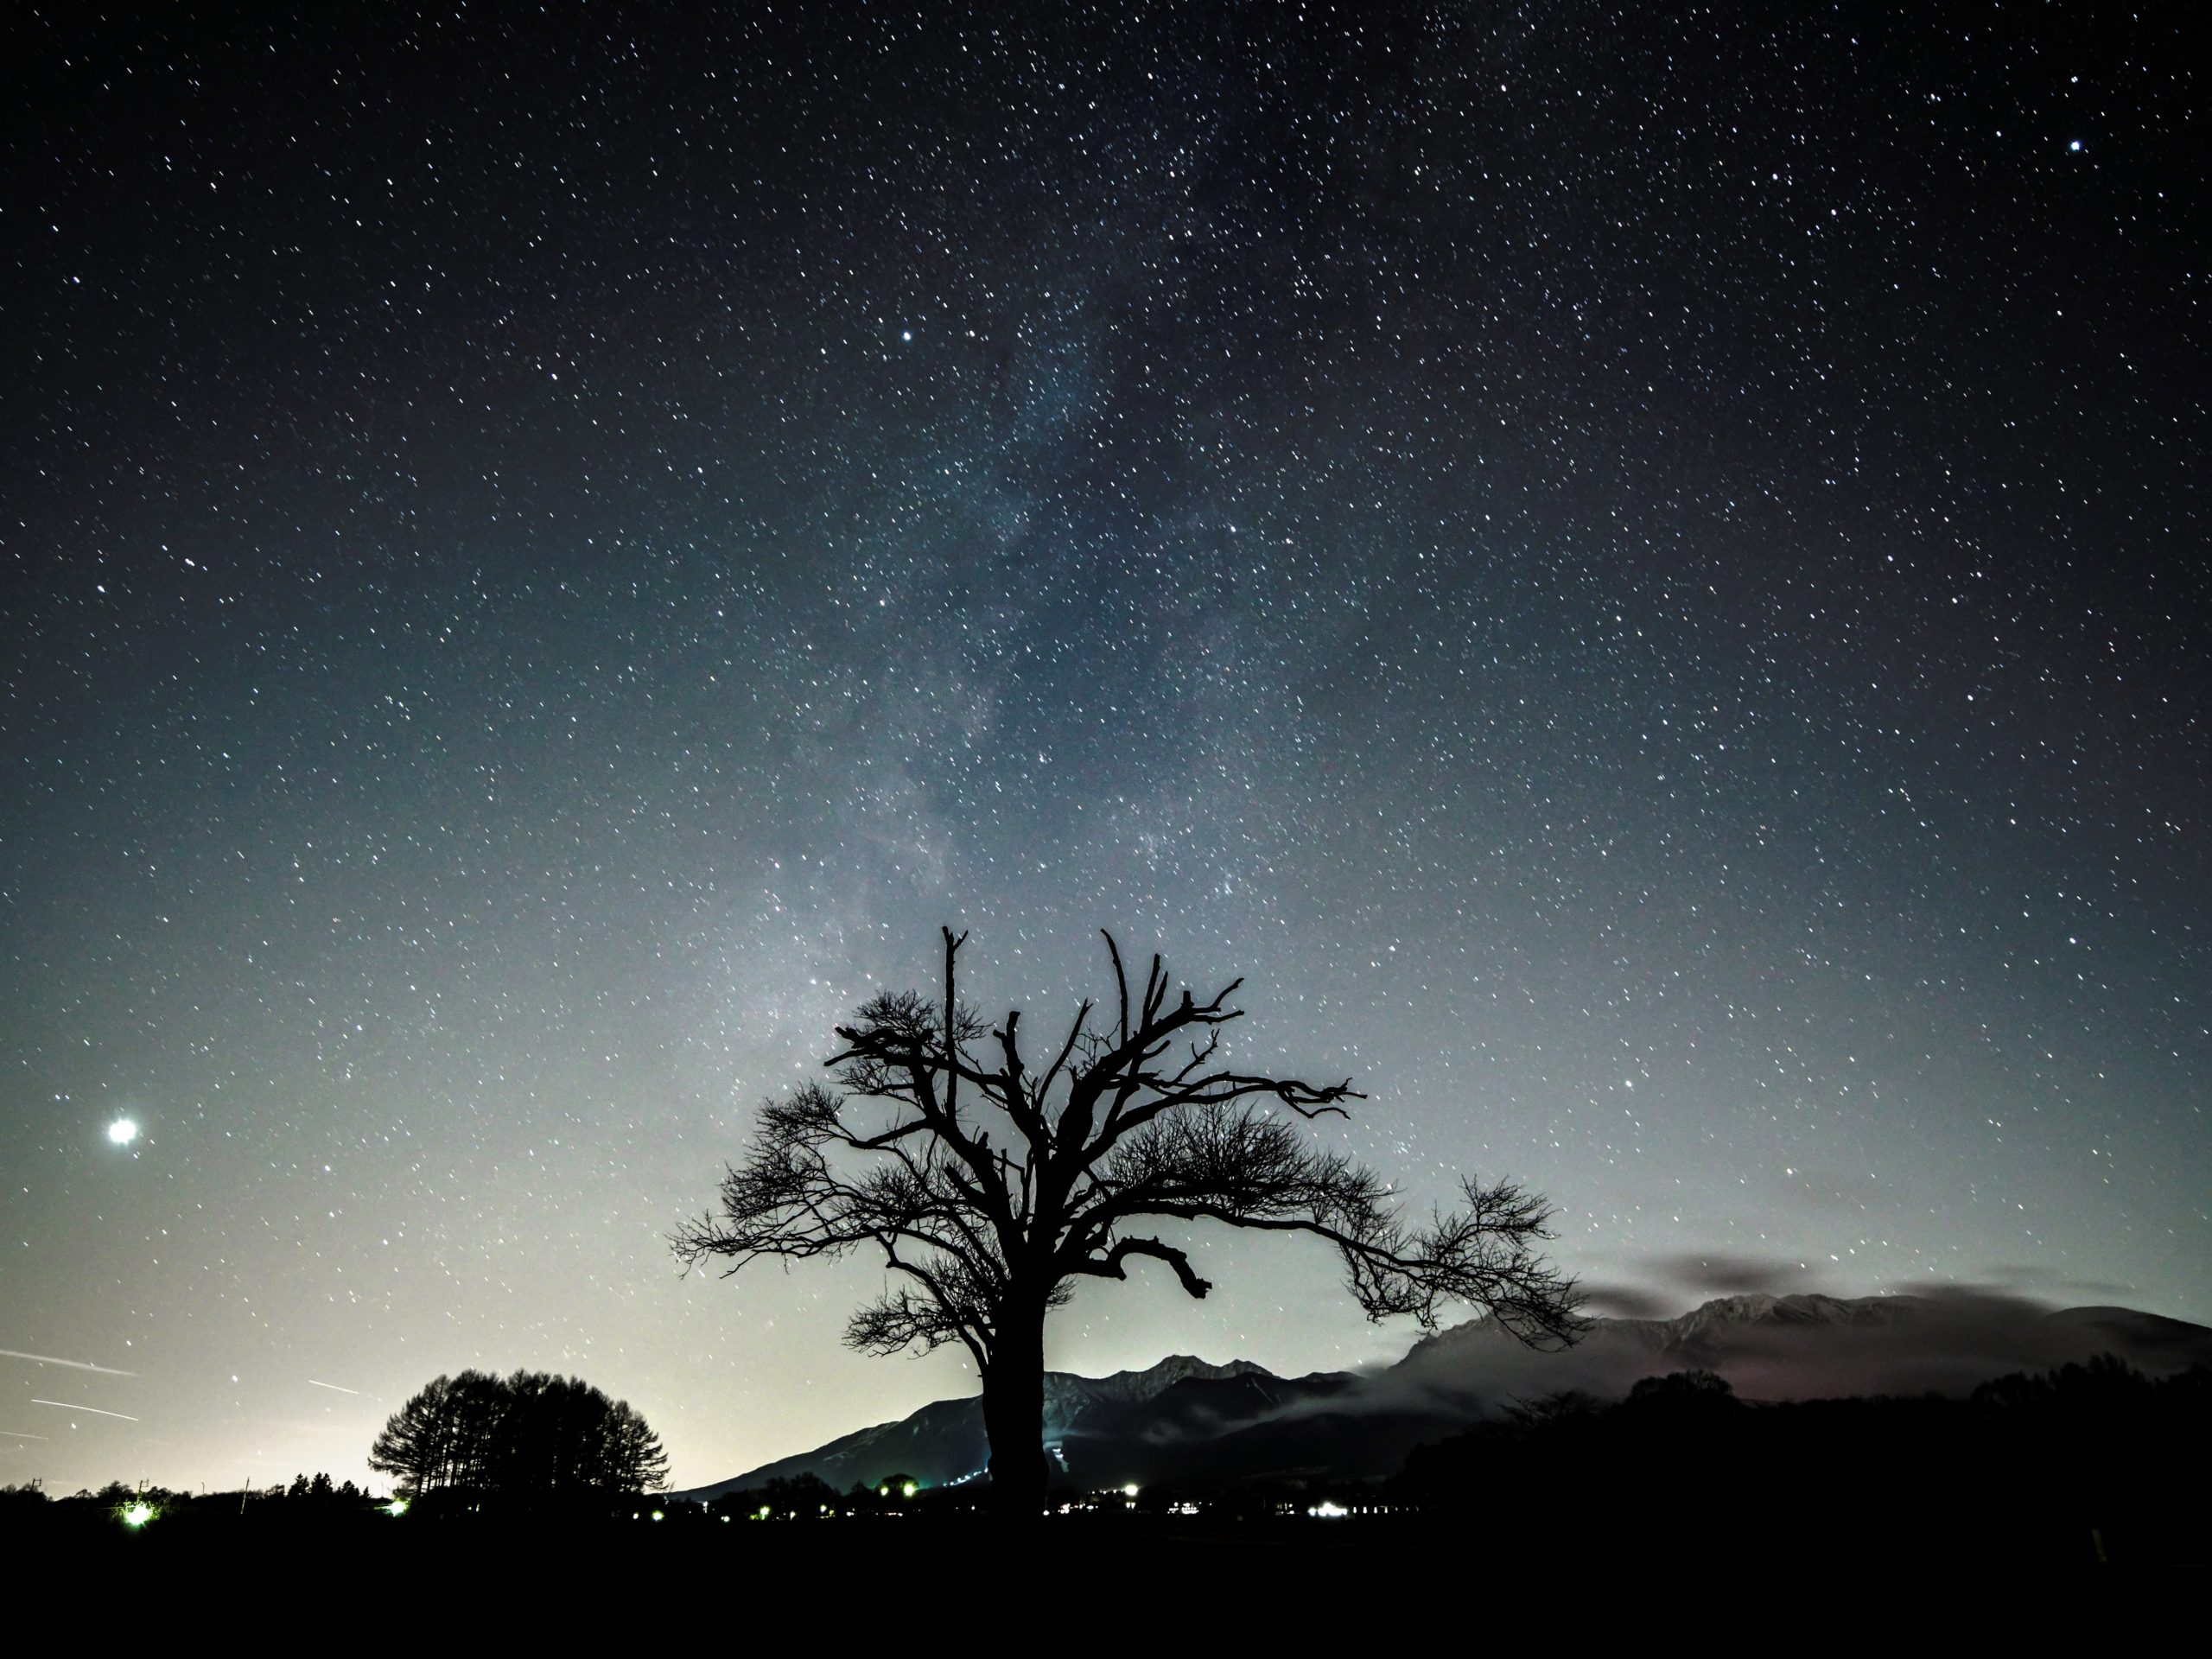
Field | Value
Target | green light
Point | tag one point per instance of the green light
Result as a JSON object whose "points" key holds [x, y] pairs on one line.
{"points": [[139, 1515], [907, 1491], [657, 1516], [397, 1506]]}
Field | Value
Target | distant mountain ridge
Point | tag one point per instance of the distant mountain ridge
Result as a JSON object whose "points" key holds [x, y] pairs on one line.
{"points": [[1186, 1419], [944, 1440], [1073, 1395]]}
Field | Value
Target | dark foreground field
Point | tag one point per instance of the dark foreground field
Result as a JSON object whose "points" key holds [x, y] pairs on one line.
{"points": [[1094, 1580]]}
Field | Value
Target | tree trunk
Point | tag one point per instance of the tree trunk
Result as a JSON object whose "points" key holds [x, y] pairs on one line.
{"points": [[1014, 1416]]}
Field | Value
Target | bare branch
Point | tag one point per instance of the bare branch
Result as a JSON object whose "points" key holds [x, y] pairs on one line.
{"points": [[1059, 1064], [1239, 1167], [1120, 980], [1110, 1265], [951, 1027]]}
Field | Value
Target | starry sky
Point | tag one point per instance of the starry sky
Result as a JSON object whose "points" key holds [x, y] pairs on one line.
{"points": [[1641, 577]]}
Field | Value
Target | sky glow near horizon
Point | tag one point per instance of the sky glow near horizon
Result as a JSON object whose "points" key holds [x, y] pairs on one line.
{"points": [[1644, 588]]}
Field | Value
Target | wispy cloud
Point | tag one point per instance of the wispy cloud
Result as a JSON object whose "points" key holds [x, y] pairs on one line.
{"points": [[1628, 1302], [2025, 1279], [1734, 1275]]}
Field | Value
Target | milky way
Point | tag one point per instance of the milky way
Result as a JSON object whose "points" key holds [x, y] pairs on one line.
{"points": [[1641, 581]]}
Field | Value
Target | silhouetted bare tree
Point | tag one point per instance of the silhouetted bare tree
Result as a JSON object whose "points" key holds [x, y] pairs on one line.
{"points": [[990, 1187]]}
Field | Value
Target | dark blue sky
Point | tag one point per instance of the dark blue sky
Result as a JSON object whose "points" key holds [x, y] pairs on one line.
{"points": [[1641, 580]]}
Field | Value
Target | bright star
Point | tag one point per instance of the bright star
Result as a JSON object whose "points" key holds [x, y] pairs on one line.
{"points": [[123, 1131]]}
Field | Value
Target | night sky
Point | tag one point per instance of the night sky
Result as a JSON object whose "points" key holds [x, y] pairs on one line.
{"points": [[1641, 577]]}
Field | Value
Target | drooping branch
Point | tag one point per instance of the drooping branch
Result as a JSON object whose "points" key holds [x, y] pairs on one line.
{"points": [[788, 1200], [1248, 1170], [900, 1320], [1109, 1265]]}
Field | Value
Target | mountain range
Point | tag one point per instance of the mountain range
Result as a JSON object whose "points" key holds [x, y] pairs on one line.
{"points": [[1195, 1423]]}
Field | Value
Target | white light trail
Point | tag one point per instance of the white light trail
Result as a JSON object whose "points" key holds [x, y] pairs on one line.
{"points": [[333, 1386], [95, 1410], [73, 1365]]}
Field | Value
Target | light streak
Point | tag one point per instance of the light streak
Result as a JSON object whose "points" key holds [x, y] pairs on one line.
{"points": [[95, 1410], [333, 1386], [73, 1365], [18, 1434]]}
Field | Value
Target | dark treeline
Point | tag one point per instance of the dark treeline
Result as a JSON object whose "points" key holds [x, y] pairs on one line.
{"points": [[306, 1493], [309, 1508], [2092, 1462], [530, 1441]]}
